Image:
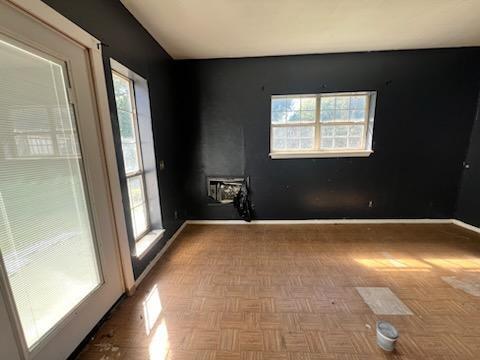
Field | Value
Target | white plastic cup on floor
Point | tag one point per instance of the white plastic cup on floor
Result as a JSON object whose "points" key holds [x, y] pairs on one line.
{"points": [[387, 335]]}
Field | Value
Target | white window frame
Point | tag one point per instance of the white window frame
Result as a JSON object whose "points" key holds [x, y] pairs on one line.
{"points": [[317, 152], [146, 241], [140, 172]]}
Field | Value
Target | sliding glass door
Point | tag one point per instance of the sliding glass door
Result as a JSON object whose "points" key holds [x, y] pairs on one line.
{"points": [[57, 243]]}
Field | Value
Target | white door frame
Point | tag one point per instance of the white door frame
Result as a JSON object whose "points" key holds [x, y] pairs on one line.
{"points": [[55, 20]]}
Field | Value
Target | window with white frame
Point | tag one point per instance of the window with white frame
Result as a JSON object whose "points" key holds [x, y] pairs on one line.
{"points": [[132, 154], [330, 124]]}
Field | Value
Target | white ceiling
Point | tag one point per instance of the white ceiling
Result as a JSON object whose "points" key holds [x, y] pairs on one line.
{"points": [[198, 29]]}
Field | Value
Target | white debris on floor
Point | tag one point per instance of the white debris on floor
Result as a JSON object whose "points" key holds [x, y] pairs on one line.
{"points": [[469, 284], [383, 301]]}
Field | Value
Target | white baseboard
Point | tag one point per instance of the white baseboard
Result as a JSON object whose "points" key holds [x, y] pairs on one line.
{"points": [[466, 226], [325, 221], [157, 257]]}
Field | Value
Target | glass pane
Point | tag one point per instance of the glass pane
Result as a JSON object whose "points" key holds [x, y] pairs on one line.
{"points": [[279, 105], [343, 108], [341, 115], [293, 104], [342, 136], [293, 143], [280, 132], [293, 138], [341, 130], [46, 238], [293, 110], [130, 157], [279, 117], [306, 132], [354, 142], [340, 142], [123, 97], [328, 131], [127, 129], [357, 115], [308, 115], [358, 102], [135, 190], [342, 102], [139, 220], [356, 130], [308, 103], [293, 116], [326, 143], [355, 136], [306, 144], [327, 103], [327, 115], [293, 132], [279, 143], [126, 122]]}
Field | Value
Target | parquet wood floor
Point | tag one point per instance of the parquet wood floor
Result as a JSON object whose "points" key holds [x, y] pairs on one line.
{"points": [[261, 292]]}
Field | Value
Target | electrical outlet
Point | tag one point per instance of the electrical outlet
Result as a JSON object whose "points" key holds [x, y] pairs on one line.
{"points": [[161, 165], [370, 204]]}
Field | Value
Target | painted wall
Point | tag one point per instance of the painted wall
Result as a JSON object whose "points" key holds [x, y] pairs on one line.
{"points": [[424, 114], [468, 206], [126, 41]]}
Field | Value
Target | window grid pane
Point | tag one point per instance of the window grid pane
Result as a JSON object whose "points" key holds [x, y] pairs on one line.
{"points": [[127, 121], [136, 191], [294, 138], [339, 122], [138, 205], [344, 108], [342, 137], [139, 220], [130, 158], [127, 126], [123, 97], [293, 110]]}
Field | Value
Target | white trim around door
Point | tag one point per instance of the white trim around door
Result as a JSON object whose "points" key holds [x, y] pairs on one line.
{"points": [[105, 196], [55, 20]]}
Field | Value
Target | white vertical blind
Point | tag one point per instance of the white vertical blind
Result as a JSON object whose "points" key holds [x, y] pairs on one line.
{"points": [[46, 238]]}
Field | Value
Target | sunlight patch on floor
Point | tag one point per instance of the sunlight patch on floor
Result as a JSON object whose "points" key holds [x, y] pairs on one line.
{"points": [[455, 263], [392, 264], [152, 307], [159, 344]]}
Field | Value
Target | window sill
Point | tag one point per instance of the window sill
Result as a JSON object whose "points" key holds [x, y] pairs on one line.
{"points": [[144, 244], [323, 154]]}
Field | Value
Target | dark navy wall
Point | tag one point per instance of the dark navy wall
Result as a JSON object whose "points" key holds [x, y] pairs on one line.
{"points": [[211, 117], [468, 206], [425, 110], [129, 43]]}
